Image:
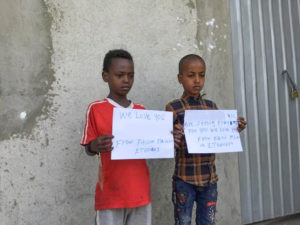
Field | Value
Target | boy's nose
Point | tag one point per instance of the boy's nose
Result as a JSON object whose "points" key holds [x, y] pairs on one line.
{"points": [[126, 78]]}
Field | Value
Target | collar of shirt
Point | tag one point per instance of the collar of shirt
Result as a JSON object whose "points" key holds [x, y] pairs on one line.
{"points": [[118, 105], [186, 97]]}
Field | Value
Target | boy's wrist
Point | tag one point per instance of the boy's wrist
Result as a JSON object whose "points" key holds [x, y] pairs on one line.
{"points": [[89, 149]]}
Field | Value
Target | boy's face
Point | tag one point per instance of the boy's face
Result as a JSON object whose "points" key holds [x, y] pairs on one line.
{"points": [[120, 76], [192, 76]]}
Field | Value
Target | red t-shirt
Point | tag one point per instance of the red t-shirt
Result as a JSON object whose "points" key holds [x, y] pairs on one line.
{"points": [[126, 183]]}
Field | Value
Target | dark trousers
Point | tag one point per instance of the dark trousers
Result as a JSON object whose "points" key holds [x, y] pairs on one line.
{"points": [[184, 196]]}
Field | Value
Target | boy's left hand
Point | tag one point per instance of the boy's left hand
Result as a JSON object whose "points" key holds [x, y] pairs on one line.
{"points": [[242, 124]]}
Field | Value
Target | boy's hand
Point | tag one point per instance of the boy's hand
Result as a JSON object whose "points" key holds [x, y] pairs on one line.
{"points": [[242, 124], [177, 134], [102, 144]]}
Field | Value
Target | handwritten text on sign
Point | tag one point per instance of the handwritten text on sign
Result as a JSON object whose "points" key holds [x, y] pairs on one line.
{"points": [[142, 134], [212, 131]]}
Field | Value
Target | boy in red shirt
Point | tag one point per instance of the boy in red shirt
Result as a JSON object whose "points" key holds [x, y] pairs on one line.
{"points": [[123, 189]]}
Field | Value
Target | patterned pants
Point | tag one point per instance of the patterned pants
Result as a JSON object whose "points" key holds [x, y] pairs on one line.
{"points": [[184, 196]]}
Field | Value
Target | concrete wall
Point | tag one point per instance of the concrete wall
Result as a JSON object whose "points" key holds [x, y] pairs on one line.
{"points": [[46, 178]]}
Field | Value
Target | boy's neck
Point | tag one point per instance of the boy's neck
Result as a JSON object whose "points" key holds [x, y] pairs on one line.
{"points": [[121, 100], [186, 94]]}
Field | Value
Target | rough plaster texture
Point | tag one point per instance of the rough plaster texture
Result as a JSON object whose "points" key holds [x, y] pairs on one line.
{"points": [[25, 65], [46, 178]]}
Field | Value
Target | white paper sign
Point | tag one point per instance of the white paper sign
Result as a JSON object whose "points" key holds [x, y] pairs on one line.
{"points": [[212, 131], [142, 134]]}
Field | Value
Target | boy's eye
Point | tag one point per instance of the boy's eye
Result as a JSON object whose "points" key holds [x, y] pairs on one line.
{"points": [[202, 75]]}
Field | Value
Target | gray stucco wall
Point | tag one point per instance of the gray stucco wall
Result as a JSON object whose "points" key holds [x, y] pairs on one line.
{"points": [[45, 177], [25, 72]]}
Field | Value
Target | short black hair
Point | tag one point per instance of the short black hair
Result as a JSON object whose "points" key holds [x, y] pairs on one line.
{"points": [[116, 53], [188, 57]]}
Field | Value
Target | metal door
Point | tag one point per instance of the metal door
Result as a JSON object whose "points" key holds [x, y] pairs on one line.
{"points": [[265, 42]]}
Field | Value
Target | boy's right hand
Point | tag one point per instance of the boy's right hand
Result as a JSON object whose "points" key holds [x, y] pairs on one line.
{"points": [[102, 144], [177, 133]]}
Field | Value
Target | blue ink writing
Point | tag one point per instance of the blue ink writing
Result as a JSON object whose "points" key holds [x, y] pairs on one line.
{"points": [[146, 150], [145, 142], [159, 117], [123, 142], [142, 115], [164, 141], [125, 115], [190, 130]]}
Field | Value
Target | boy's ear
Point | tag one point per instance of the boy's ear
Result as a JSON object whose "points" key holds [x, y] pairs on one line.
{"points": [[179, 77], [105, 76]]}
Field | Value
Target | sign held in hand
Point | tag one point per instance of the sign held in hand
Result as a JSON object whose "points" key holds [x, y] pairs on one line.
{"points": [[142, 134], [212, 131]]}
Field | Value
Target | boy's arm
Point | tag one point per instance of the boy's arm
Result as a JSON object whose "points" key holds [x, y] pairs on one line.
{"points": [[177, 127], [171, 109], [100, 144], [214, 106], [93, 143], [177, 134]]}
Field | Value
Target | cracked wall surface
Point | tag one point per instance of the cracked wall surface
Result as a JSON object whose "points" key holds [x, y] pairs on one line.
{"points": [[45, 176]]}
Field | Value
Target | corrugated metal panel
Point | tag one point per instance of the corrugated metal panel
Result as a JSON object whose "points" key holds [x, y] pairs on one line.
{"points": [[266, 41]]}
